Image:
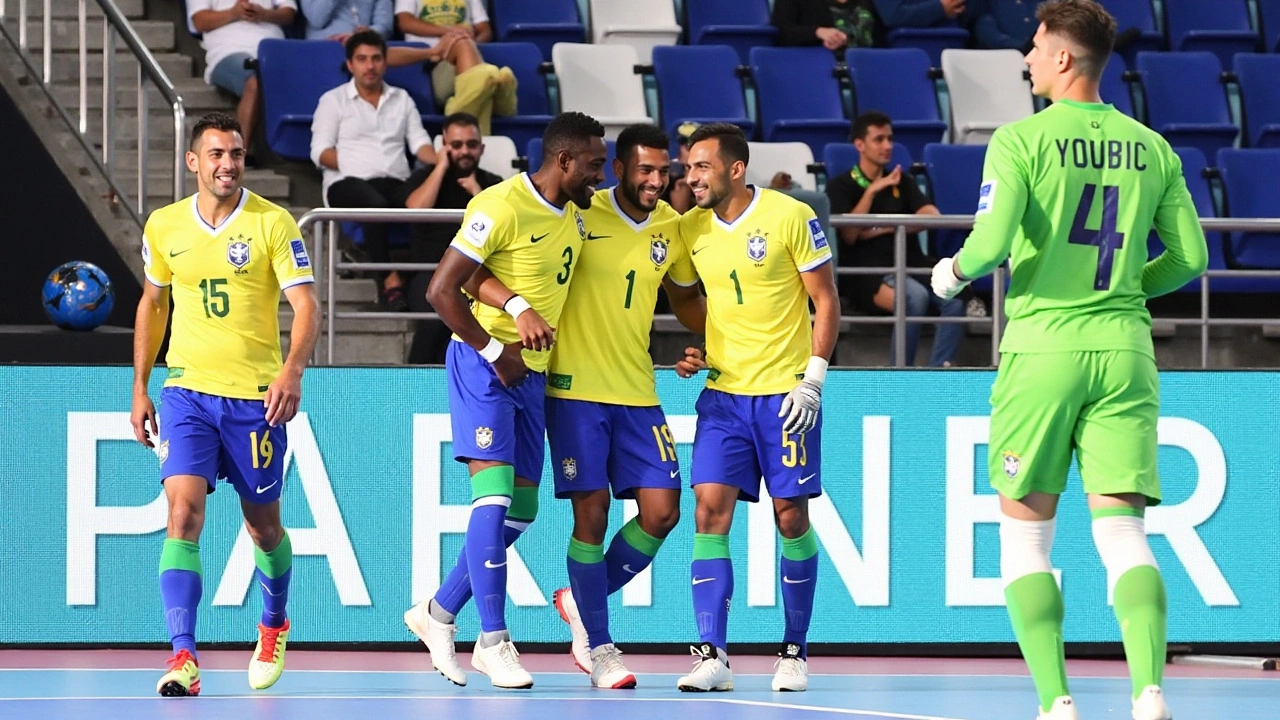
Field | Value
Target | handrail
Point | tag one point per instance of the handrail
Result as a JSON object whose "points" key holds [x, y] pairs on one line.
{"points": [[324, 254]]}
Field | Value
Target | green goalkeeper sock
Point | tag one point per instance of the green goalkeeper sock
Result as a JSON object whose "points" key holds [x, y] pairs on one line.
{"points": [[1142, 610], [1035, 608]]}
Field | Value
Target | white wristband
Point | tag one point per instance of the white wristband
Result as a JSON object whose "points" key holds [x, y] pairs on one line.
{"points": [[492, 351], [515, 306], [816, 372]]}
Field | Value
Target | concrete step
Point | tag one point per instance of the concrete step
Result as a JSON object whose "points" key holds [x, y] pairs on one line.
{"points": [[160, 186], [361, 348], [197, 96], [66, 67], [356, 290], [156, 35], [69, 9], [159, 129], [354, 325]]}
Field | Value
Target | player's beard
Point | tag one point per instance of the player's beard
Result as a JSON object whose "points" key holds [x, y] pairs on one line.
{"points": [[221, 191], [713, 195], [632, 193]]}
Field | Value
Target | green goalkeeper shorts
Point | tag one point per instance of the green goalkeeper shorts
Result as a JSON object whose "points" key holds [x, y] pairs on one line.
{"points": [[1103, 405]]}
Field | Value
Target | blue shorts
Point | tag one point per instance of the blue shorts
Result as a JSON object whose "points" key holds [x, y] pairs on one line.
{"points": [[230, 74], [493, 422], [598, 445], [216, 437], [740, 438]]}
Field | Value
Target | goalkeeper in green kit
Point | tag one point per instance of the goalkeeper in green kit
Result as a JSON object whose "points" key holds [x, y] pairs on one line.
{"points": [[1069, 195]]}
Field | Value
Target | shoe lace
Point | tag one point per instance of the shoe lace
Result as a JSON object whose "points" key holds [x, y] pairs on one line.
{"points": [[269, 638], [178, 661], [700, 659], [508, 654], [791, 668], [451, 630], [611, 660]]}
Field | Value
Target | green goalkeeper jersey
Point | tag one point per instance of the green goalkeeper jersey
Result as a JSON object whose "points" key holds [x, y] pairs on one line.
{"points": [[1070, 195]]}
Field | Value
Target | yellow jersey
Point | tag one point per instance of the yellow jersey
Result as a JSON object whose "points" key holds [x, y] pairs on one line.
{"points": [[226, 283], [530, 245], [602, 343], [759, 331]]}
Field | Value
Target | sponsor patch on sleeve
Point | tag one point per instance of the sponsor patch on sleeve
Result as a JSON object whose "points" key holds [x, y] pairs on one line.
{"points": [[477, 229], [146, 252], [985, 196], [300, 259], [816, 233]]}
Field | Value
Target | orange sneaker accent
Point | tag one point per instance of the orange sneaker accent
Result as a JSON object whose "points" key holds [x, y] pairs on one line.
{"points": [[269, 637]]}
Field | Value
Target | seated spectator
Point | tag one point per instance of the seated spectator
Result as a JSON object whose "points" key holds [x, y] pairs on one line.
{"points": [[872, 188], [450, 184], [461, 79], [678, 194], [231, 32], [359, 134], [339, 19], [834, 24], [919, 13], [1003, 24]]}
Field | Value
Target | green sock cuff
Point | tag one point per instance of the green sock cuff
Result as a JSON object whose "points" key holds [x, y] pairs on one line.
{"points": [[635, 536], [585, 552], [497, 480], [710, 547], [1117, 511], [277, 562], [180, 555], [801, 548], [524, 504]]}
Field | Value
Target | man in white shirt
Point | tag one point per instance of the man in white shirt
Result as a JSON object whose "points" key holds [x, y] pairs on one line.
{"points": [[359, 135], [231, 32]]}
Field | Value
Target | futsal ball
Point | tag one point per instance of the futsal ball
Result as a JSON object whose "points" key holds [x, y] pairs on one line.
{"points": [[78, 296]]}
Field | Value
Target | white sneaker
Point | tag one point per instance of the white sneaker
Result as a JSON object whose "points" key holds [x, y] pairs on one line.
{"points": [[791, 672], [1150, 705], [438, 637], [578, 647], [1064, 708], [710, 673], [607, 670], [502, 664]]}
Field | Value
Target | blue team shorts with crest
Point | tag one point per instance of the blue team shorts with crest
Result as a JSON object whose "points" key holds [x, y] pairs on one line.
{"points": [[740, 439], [491, 421], [216, 437], [598, 445]]}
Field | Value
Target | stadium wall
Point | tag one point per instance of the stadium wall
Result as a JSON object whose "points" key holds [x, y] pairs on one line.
{"points": [[376, 505]]}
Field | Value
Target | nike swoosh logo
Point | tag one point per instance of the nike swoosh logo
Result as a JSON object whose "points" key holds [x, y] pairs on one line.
{"points": [[695, 252], [628, 569], [176, 254], [489, 564], [789, 581], [264, 489], [806, 478], [536, 238], [267, 590], [699, 581], [593, 236], [675, 474]]}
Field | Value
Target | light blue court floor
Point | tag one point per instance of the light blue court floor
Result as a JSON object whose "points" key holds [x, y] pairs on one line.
{"points": [[905, 689]]}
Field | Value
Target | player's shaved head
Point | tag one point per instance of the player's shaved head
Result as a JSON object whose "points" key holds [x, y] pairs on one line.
{"points": [[218, 121], [733, 142], [1086, 26]]}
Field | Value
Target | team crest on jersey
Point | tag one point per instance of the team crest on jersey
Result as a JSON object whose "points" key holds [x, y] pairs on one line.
{"points": [[484, 437], [570, 468], [757, 246], [582, 228], [238, 253], [658, 250], [1012, 463]]}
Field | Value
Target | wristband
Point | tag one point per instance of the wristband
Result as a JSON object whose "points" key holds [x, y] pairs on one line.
{"points": [[816, 372], [492, 351], [515, 306]]}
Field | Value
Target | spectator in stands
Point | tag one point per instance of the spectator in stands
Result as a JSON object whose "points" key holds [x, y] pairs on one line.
{"points": [[450, 184], [834, 24], [358, 137], [872, 188], [339, 19], [1003, 24], [678, 194], [919, 13], [461, 80], [231, 31]]}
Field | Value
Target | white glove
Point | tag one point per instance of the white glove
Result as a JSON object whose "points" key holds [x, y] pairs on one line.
{"points": [[801, 405], [945, 283]]}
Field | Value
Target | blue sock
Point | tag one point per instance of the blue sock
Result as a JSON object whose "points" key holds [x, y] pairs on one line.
{"points": [[712, 577], [487, 565], [630, 552], [453, 595], [273, 571], [180, 590], [588, 579], [799, 568]]}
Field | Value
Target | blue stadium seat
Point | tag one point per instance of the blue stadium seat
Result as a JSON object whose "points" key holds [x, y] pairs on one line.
{"points": [[534, 155], [932, 40], [897, 82], [699, 84], [293, 75], [543, 23], [798, 96], [1247, 177], [1260, 95], [1269, 14], [532, 106], [839, 158], [415, 79], [955, 178], [1137, 15], [1221, 27], [1114, 88], [740, 24], [1186, 101]]}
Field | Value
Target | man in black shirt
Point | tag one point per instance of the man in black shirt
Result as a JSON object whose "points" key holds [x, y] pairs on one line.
{"points": [[450, 185], [872, 188]]}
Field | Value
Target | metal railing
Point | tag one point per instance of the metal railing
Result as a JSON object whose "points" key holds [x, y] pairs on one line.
{"points": [[150, 74], [323, 224]]}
